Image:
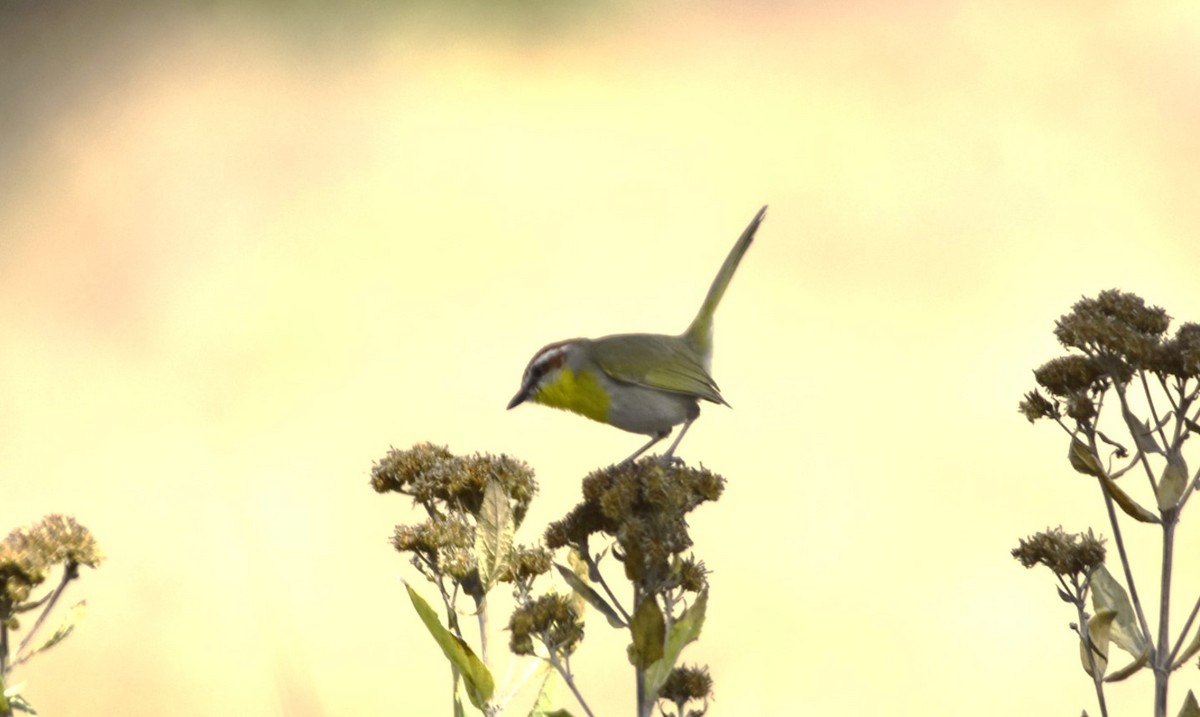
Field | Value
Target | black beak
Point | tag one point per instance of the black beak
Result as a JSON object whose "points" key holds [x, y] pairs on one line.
{"points": [[518, 399]]}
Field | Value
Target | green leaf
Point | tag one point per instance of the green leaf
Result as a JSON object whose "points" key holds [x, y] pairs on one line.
{"points": [[11, 699], [1189, 708], [545, 696], [494, 531], [66, 626], [649, 631], [1173, 482], [476, 676], [593, 598], [1143, 434], [20, 704], [1099, 627], [1084, 460], [685, 630], [1130, 669], [1131, 507], [1108, 594], [1192, 648]]}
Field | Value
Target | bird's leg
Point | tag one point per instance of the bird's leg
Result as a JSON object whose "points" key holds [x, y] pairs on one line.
{"points": [[655, 439], [669, 456]]}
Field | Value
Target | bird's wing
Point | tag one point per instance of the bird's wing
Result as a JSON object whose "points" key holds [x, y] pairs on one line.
{"points": [[662, 362]]}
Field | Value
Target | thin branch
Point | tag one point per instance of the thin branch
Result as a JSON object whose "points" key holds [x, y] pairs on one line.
{"points": [[1133, 594], [70, 572], [594, 568], [1187, 627], [1086, 636], [481, 614], [3, 648], [565, 671], [1145, 461], [1162, 661], [1150, 402]]}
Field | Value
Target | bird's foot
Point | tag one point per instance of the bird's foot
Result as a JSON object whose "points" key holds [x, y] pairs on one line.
{"points": [[670, 460]]}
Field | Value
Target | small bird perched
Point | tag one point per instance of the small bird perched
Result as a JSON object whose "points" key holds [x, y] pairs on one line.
{"points": [[642, 383]]}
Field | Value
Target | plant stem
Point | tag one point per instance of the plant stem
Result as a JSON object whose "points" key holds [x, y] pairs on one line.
{"points": [[457, 703], [1162, 656], [3, 646], [481, 614], [1133, 594], [644, 707], [594, 569], [570, 680], [70, 572], [1187, 627], [1086, 635]]}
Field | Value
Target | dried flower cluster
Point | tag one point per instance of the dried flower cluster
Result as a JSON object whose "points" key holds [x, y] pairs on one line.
{"points": [[687, 684], [452, 491], [441, 481], [643, 506], [551, 619], [28, 554], [1118, 336], [1066, 554]]}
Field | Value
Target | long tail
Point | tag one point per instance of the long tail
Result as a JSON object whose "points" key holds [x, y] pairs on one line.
{"points": [[699, 334]]}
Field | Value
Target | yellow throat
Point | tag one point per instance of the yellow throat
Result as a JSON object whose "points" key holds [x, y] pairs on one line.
{"points": [[580, 393]]}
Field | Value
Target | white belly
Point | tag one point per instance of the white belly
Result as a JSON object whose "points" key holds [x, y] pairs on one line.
{"points": [[639, 409]]}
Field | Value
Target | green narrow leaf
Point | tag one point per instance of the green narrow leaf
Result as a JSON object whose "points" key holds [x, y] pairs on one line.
{"points": [[1084, 460], [1131, 507], [1143, 434], [541, 704], [1099, 627], [545, 697], [588, 593], [476, 676], [1130, 669], [1189, 708], [1108, 594], [685, 630], [1173, 482], [649, 631], [494, 531], [66, 626], [1192, 648]]}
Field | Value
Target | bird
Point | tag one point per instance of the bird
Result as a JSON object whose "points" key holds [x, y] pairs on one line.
{"points": [[641, 383]]}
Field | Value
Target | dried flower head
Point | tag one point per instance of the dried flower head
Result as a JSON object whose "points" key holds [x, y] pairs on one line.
{"points": [[1066, 554], [28, 554], [643, 506], [1067, 375], [1114, 325], [441, 481], [441, 543], [691, 575], [452, 491], [551, 619], [1180, 355], [1035, 406], [687, 684], [526, 564]]}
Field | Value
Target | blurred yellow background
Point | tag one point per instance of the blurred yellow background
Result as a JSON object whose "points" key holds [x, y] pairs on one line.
{"points": [[244, 249]]}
